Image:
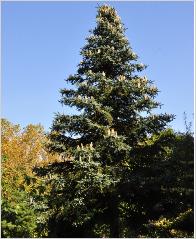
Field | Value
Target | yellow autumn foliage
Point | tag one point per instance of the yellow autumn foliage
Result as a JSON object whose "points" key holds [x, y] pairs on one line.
{"points": [[22, 150]]}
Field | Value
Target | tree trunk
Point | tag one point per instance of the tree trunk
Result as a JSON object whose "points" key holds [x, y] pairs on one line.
{"points": [[114, 212]]}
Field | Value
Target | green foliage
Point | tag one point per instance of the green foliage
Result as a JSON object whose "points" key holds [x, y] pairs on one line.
{"points": [[172, 227], [21, 150], [177, 192], [17, 216], [120, 171]]}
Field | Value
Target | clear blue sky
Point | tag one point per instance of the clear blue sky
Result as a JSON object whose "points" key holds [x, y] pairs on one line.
{"points": [[41, 43]]}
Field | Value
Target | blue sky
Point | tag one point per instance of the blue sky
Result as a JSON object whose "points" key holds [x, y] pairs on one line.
{"points": [[41, 43]]}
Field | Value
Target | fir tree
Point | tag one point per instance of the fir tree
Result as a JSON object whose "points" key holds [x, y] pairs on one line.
{"points": [[110, 146], [109, 91]]}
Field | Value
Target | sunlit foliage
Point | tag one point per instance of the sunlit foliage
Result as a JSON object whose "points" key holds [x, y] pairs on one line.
{"points": [[21, 151]]}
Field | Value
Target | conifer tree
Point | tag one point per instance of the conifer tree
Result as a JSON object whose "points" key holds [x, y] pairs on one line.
{"points": [[109, 147], [109, 92]]}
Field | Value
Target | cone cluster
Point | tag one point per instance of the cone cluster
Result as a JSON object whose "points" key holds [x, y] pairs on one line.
{"points": [[146, 97], [85, 98], [112, 132], [87, 146], [64, 157], [121, 78], [153, 88]]}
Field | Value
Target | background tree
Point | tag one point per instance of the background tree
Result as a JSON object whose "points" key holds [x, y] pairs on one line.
{"points": [[177, 187], [21, 150]]}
